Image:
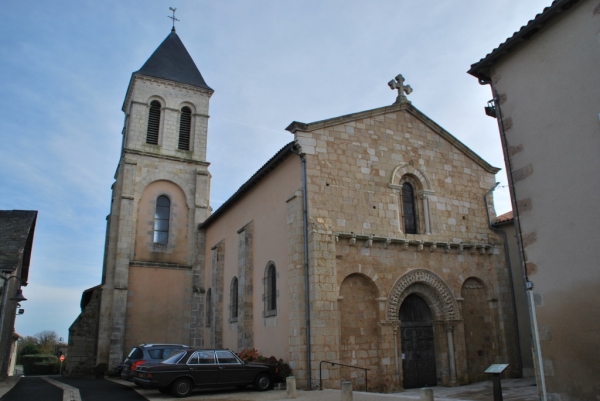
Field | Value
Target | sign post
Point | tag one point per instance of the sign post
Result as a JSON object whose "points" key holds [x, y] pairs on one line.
{"points": [[62, 358], [496, 369]]}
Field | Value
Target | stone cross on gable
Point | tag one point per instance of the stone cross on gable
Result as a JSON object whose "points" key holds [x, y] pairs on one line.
{"points": [[402, 89]]}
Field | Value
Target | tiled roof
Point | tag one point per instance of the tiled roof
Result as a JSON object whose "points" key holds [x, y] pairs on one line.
{"points": [[481, 68], [505, 218], [16, 238], [172, 61], [262, 172]]}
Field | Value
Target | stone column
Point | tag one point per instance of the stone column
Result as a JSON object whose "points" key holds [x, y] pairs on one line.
{"points": [[396, 196], [451, 358], [425, 197], [396, 356]]}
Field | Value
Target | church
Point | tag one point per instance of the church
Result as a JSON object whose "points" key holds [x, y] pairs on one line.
{"points": [[365, 241]]}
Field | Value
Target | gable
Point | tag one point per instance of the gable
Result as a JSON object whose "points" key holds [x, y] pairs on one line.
{"points": [[389, 110]]}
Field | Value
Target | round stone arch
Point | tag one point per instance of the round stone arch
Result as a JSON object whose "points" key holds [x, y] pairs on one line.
{"points": [[431, 288], [359, 318], [370, 275], [161, 100], [164, 176], [487, 286], [407, 169], [192, 106]]}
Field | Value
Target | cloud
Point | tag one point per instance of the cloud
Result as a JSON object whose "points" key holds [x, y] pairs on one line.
{"points": [[65, 72]]}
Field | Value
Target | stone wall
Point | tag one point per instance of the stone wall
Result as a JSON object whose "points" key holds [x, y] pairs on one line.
{"points": [[356, 166], [217, 269], [144, 169], [245, 332], [83, 335]]}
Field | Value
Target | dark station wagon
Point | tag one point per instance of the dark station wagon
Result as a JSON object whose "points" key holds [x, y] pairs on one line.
{"points": [[146, 354], [189, 368]]}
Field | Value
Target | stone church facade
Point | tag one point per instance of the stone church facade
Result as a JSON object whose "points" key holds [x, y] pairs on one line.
{"points": [[379, 214]]}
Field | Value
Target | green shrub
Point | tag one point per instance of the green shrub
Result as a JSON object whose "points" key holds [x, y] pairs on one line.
{"points": [[28, 349], [42, 364]]}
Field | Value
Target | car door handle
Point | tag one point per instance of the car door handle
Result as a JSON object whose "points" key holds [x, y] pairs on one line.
{"points": [[221, 367]]}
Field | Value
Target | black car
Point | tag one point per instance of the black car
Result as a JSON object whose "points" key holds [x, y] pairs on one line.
{"points": [[146, 354], [190, 368]]}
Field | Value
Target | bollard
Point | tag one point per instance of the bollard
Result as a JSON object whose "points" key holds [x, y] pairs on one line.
{"points": [[290, 387], [346, 391], [426, 394]]}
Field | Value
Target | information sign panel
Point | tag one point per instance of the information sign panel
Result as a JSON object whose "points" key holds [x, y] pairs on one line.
{"points": [[496, 368]]}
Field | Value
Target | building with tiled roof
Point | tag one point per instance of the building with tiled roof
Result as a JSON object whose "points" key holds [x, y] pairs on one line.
{"points": [[17, 228], [544, 82], [365, 240]]}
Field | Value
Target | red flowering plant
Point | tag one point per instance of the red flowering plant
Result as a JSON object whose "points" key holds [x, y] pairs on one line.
{"points": [[280, 369]]}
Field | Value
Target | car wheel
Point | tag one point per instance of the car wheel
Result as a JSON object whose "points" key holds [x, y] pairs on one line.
{"points": [[262, 382], [164, 390], [181, 387]]}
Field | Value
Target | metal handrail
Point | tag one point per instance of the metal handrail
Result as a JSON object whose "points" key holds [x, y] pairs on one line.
{"points": [[347, 366]]}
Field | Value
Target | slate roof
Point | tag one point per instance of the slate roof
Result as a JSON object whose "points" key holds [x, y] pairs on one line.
{"points": [[16, 238], [172, 61], [481, 68]]}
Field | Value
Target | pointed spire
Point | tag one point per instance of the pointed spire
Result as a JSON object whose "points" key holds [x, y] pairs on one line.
{"points": [[172, 61]]}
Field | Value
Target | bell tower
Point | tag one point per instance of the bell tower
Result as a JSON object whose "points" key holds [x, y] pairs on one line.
{"points": [[160, 195]]}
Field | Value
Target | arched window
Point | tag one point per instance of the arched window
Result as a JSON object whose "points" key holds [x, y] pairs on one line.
{"points": [[408, 208], [233, 299], [185, 126], [270, 290], [208, 307], [161, 220], [153, 123]]}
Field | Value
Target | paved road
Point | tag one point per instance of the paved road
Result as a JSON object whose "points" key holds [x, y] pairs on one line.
{"points": [[56, 388], [33, 388], [51, 388]]}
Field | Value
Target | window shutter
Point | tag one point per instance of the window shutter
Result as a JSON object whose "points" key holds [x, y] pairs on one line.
{"points": [[185, 126], [153, 123]]}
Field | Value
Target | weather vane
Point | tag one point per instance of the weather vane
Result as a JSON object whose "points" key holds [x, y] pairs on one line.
{"points": [[173, 17]]}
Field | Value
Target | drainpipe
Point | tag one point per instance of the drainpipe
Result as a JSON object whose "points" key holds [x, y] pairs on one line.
{"points": [[510, 276], [519, 235], [306, 272]]}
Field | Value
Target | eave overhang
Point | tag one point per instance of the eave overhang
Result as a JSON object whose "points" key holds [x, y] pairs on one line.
{"points": [[481, 69]]}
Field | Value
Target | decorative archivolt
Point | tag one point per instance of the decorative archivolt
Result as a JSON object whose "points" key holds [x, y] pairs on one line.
{"points": [[431, 288], [405, 169]]}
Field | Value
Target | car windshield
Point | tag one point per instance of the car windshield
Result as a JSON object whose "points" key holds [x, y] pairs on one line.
{"points": [[174, 358]]}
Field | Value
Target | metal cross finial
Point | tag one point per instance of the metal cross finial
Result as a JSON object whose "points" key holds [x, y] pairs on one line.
{"points": [[402, 89], [173, 18]]}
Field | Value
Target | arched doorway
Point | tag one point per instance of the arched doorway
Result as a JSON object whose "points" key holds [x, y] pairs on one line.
{"points": [[418, 354]]}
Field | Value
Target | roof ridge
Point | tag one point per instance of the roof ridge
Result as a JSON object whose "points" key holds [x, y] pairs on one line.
{"points": [[404, 106]]}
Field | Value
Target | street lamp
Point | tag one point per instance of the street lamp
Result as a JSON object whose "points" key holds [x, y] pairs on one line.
{"points": [[19, 295]]}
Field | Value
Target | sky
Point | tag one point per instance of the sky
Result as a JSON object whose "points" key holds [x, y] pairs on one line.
{"points": [[65, 67]]}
